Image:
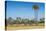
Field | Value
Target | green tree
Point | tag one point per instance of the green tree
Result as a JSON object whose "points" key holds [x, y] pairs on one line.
{"points": [[18, 20], [10, 20], [22, 21], [42, 20]]}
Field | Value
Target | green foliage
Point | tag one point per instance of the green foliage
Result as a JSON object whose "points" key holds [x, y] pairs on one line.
{"points": [[10, 20], [42, 20], [25, 21], [35, 7], [18, 20]]}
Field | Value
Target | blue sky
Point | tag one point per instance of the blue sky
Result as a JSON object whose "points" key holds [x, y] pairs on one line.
{"points": [[24, 9]]}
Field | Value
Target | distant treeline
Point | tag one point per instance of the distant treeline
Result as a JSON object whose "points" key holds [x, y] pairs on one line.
{"points": [[25, 21]]}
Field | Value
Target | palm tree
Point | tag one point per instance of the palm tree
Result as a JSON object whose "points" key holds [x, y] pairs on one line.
{"points": [[36, 8]]}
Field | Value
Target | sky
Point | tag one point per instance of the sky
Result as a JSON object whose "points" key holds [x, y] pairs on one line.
{"points": [[24, 9]]}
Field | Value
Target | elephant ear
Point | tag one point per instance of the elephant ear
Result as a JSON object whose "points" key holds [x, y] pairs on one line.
{"points": [[35, 7]]}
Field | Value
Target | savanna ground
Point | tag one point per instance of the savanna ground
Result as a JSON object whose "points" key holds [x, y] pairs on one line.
{"points": [[22, 26]]}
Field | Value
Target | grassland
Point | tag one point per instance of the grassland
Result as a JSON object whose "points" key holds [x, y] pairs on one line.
{"points": [[22, 26]]}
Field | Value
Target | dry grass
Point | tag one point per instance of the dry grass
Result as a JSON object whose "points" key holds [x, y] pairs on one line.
{"points": [[21, 26]]}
